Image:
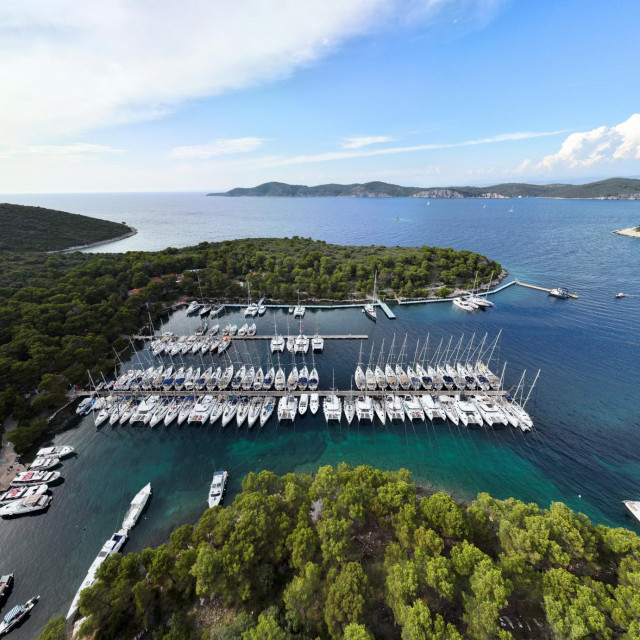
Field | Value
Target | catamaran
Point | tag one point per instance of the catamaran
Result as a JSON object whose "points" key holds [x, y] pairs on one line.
{"points": [[201, 410], [287, 408], [467, 411], [364, 409], [395, 407]]}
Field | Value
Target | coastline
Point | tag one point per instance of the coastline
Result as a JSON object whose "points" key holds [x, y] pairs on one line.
{"points": [[631, 232], [133, 231]]}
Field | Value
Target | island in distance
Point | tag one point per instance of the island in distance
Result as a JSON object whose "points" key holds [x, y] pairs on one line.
{"points": [[611, 189]]}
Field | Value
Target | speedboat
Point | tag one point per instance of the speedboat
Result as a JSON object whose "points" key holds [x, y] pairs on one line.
{"points": [[58, 452], [267, 410], [560, 292], [303, 404], [314, 403], [349, 409], [136, 508], [364, 408], [255, 409], [205, 310], [621, 295], [395, 407], [243, 410], [287, 408], [32, 504], [29, 478], [16, 615], [111, 546], [193, 307], [217, 488]]}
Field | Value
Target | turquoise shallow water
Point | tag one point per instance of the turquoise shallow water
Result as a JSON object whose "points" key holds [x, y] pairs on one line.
{"points": [[586, 405]]}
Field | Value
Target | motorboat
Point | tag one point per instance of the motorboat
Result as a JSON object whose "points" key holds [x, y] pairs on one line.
{"points": [[560, 292], [193, 307], [255, 408], [413, 408], [394, 407], [42, 463], [242, 411], [314, 403], [136, 508], [84, 405], [113, 545], [18, 493], [634, 508], [32, 504], [30, 478], [16, 615], [205, 310], [364, 409], [621, 295], [6, 582], [267, 410], [287, 408], [463, 304], [214, 330], [217, 488], [303, 404], [262, 309]]}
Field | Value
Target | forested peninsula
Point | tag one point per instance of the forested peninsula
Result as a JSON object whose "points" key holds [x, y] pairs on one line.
{"points": [[63, 315], [359, 553], [611, 189], [38, 229]]}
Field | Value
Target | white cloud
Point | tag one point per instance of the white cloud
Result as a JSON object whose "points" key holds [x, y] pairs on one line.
{"points": [[69, 150], [73, 65], [357, 142], [219, 147], [367, 153], [598, 146]]}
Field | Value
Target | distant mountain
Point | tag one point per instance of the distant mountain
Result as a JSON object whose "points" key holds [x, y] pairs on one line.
{"points": [[613, 188], [38, 229]]}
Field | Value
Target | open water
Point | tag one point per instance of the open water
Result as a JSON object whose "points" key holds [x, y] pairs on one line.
{"points": [[584, 450]]}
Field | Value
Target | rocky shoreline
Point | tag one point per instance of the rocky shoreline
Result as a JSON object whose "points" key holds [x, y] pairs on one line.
{"points": [[631, 232], [133, 231]]}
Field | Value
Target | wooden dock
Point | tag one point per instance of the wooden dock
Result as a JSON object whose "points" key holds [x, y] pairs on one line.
{"points": [[533, 286]]}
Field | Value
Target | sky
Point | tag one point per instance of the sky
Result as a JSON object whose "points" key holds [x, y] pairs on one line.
{"points": [[207, 95]]}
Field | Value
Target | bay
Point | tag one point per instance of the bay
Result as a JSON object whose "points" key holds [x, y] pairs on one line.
{"points": [[584, 450]]}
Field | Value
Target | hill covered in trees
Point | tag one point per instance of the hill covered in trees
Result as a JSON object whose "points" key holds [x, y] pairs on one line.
{"points": [[38, 229], [359, 553], [623, 188], [64, 314]]}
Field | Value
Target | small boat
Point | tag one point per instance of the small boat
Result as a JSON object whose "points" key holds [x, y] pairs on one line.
{"points": [[111, 546], [193, 307], [137, 506], [217, 488], [560, 292], [33, 504], [29, 478], [291, 309], [16, 615], [6, 582], [262, 310], [634, 508], [621, 295]]}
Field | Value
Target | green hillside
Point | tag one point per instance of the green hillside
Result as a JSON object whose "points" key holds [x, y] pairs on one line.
{"points": [[39, 229], [359, 553], [611, 188]]}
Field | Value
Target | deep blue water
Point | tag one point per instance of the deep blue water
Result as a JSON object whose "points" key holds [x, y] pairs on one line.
{"points": [[583, 451]]}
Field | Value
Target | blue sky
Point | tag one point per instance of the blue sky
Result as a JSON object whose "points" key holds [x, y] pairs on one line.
{"points": [[203, 95]]}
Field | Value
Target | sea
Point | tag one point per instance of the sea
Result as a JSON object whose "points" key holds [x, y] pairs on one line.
{"points": [[584, 449]]}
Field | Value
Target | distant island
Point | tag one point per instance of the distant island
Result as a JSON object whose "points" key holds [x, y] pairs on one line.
{"points": [[38, 229], [611, 189]]}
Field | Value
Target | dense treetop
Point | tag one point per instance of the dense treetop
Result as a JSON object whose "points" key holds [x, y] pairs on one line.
{"points": [[358, 553], [39, 229]]}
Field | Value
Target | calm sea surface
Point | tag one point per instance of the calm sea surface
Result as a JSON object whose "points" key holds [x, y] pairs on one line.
{"points": [[584, 451]]}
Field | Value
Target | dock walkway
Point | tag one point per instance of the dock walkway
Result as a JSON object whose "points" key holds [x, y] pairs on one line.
{"points": [[385, 308], [533, 286], [350, 336]]}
